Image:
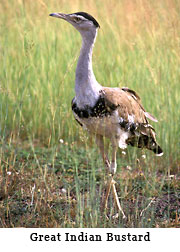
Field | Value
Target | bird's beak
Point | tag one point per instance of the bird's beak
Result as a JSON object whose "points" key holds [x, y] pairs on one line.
{"points": [[59, 15]]}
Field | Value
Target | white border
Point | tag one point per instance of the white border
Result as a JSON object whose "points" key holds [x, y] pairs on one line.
{"points": [[19, 239]]}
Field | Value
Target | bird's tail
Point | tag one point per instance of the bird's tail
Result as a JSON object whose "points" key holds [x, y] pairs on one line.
{"points": [[148, 142], [152, 145], [157, 150]]}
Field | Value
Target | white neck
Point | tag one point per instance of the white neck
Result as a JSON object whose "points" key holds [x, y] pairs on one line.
{"points": [[86, 87]]}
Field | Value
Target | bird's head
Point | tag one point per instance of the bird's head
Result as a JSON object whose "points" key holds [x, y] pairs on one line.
{"points": [[82, 21]]}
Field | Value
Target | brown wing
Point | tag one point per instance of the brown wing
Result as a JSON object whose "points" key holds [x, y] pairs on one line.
{"points": [[137, 98], [132, 116], [127, 102]]}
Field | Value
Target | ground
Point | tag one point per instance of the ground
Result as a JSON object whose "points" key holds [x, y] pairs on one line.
{"points": [[48, 187]]}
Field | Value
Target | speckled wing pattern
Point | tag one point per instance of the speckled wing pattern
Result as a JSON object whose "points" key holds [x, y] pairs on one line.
{"points": [[132, 117]]}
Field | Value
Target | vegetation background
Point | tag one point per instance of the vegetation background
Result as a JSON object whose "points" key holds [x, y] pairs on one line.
{"points": [[49, 168]]}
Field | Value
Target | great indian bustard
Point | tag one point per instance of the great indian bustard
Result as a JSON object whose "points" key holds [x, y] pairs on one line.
{"points": [[115, 113]]}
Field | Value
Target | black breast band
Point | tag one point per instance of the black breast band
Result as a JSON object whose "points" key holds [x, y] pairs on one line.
{"points": [[102, 109], [99, 110]]}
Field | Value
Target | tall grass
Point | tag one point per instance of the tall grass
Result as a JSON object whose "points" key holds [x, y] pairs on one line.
{"points": [[137, 46]]}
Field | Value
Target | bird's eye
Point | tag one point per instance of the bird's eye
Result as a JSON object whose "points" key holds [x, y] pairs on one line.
{"points": [[77, 19]]}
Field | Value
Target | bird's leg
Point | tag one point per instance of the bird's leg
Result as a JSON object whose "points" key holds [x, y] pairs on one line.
{"points": [[117, 199], [112, 170], [100, 144], [108, 189], [113, 165]]}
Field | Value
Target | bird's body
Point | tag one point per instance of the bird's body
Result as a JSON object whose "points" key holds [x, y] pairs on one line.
{"points": [[115, 113], [119, 116]]}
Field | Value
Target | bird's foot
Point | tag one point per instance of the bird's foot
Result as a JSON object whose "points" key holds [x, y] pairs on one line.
{"points": [[116, 199], [111, 185]]}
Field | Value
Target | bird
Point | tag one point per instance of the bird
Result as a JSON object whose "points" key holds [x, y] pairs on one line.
{"points": [[107, 112]]}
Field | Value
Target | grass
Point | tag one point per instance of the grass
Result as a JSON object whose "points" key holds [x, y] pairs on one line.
{"points": [[50, 183]]}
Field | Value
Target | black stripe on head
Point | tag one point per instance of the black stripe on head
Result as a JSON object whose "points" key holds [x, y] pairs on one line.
{"points": [[89, 17]]}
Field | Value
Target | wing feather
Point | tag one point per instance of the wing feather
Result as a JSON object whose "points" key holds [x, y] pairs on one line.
{"points": [[130, 109], [132, 117]]}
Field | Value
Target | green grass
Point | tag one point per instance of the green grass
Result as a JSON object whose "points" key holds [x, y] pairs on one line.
{"points": [[137, 46]]}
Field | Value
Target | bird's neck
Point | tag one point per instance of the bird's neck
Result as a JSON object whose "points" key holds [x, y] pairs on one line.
{"points": [[86, 87]]}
